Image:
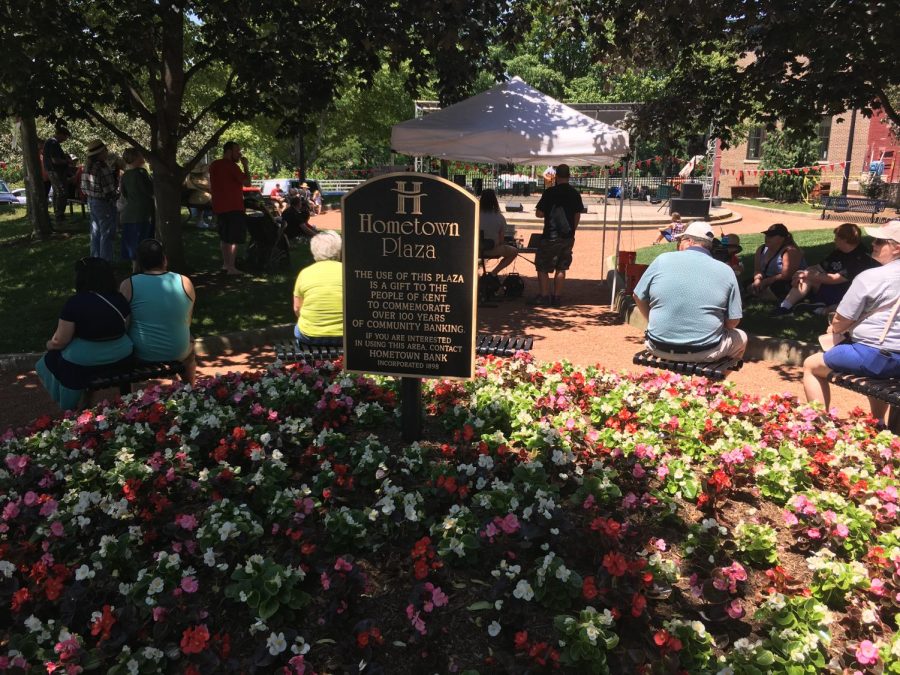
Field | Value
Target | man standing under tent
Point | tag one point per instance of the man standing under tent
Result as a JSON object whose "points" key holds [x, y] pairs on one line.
{"points": [[560, 206]]}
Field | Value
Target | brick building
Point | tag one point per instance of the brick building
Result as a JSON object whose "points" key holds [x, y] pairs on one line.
{"points": [[871, 141]]}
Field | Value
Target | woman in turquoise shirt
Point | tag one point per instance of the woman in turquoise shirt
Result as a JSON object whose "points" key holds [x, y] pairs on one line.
{"points": [[162, 304]]}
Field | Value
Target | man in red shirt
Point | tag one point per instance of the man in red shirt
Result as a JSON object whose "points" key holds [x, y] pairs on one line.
{"points": [[226, 183]]}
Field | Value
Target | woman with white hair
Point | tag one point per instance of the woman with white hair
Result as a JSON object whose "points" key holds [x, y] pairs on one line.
{"points": [[868, 321], [319, 290]]}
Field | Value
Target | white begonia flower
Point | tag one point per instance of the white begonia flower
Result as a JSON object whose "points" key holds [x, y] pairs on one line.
{"points": [[152, 653], [494, 629], [562, 573], [592, 633], [276, 643], [300, 646], [33, 624], [7, 569], [156, 586], [523, 590], [133, 667], [84, 572], [209, 557]]}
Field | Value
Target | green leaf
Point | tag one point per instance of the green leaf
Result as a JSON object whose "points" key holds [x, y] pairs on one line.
{"points": [[765, 658], [268, 608], [480, 606]]}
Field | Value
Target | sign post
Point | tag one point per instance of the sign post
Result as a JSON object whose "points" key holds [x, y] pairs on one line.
{"points": [[410, 282]]}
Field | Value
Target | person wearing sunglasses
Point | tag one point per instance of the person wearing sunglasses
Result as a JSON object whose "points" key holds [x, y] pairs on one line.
{"points": [[91, 335], [866, 325]]}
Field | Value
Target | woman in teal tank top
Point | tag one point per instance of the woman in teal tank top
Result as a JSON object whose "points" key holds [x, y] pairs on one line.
{"points": [[162, 304]]}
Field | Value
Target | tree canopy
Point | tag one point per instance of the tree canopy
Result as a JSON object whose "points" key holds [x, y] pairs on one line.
{"points": [[730, 60]]}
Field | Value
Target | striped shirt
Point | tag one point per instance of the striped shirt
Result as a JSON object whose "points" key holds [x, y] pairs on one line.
{"points": [[99, 182]]}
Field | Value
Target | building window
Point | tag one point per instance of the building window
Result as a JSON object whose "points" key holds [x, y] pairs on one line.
{"points": [[824, 138], [754, 142]]}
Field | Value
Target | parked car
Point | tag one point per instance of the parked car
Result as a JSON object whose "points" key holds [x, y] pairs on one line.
{"points": [[288, 183], [20, 195], [6, 195]]}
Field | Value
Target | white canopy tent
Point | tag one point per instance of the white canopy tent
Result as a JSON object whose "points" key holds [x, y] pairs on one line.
{"points": [[511, 123], [515, 123]]}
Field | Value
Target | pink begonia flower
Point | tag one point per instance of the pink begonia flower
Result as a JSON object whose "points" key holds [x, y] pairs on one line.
{"points": [[659, 544], [867, 653], [30, 498], [570, 424], [662, 471], [830, 517], [735, 609], [790, 519], [326, 582], [876, 586], [17, 463], [56, 529], [10, 511], [297, 663], [589, 502], [841, 530], [439, 597], [189, 585], [490, 531], [813, 533], [159, 613], [187, 521], [638, 471], [629, 501], [48, 508], [342, 565], [509, 524]]}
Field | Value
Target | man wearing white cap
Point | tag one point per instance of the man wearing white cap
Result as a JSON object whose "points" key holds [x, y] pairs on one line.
{"points": [[692, 302], [868, 321]]}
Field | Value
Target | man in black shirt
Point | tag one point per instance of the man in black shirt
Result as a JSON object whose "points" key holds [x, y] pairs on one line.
{"points": [[560, 206], [56, 162], [296, 219], [826, 283]]}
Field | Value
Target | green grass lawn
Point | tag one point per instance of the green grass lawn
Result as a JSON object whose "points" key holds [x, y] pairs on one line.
{"points": [[816, 244], [800, 207], [36, 278]]}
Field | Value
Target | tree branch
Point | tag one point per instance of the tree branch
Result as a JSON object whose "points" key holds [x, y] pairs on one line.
{"points": [[190, 72], [92, 112], [889, 110], [206, 147], [189, 126]]}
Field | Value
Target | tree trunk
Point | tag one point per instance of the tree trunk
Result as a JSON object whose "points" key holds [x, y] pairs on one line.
{"points": [[167, 185], [35, 193]]}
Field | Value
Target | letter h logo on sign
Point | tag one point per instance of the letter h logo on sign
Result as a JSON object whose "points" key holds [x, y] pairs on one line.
{"points": [[413, 194]]}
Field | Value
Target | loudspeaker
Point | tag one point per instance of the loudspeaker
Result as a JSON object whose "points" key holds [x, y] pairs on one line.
{"points": [[478, 186], [460, 179], [514, 206], [696, 208], [692, 190]]}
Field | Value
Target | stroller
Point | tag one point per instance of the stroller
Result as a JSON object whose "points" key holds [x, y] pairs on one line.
{"points": [[269, 247]]}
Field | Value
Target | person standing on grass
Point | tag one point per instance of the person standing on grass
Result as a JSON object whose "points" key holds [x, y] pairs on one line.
{"points": [[98, 183], [560, 206], [227, 181], [692, 302], [56, 164], [136, 188]]}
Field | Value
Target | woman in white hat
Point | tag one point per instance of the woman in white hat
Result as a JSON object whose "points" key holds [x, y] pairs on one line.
{"points": [[868, 323], [98, 182]]}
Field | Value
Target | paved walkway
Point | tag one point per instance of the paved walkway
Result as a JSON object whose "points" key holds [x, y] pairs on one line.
{"points": [[584, 331]]}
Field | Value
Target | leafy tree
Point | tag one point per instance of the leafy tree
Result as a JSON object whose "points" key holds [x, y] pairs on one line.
{"points": [[785, 148], [731, 60], [171, 66]]}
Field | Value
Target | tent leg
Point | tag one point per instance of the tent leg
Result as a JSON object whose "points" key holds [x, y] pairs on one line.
{"points": [[612, 297], [603, 244]]}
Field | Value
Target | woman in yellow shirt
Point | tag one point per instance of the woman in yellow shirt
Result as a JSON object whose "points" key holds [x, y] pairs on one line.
{"points": [[319, 290]]}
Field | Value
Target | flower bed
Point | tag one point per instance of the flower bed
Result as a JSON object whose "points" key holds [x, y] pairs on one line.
{"points": [[554, 518]]}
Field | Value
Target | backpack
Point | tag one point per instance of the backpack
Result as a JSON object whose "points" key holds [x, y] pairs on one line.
{"points": [[513, 285], [559, 222], [488, 286]]}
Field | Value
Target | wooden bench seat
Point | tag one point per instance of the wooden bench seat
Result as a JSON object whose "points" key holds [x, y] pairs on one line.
{"points": [[714, 370], [883, 390]]}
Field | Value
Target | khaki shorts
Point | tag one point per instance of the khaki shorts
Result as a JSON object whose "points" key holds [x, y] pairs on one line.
{"points": [[554, 256]]}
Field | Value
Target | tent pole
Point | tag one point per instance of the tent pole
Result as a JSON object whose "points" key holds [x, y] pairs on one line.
{"points": [[603, 245], [612, 297]]}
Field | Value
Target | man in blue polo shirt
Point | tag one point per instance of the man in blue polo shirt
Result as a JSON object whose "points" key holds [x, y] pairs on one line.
{"points": [[692, 302]]}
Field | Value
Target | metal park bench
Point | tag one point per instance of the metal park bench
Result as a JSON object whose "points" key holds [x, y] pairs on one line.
{"points": [[883, 390], [123, 378], [715, 370], [852, 205], [332, 348]]}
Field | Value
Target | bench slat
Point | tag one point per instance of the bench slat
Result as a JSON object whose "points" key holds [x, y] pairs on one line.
{"points": [[715, 370]]}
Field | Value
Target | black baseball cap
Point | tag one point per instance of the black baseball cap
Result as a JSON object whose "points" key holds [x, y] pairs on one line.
{"points": [[777, 230]]}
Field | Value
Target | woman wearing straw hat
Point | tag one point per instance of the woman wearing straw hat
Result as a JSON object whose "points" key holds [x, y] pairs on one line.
{"points": [[98, 182]]}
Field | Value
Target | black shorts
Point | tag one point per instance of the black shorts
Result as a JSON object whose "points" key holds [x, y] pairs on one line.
{"points": [[232, 227]]}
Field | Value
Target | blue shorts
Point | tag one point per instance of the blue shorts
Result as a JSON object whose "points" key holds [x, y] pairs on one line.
{"points": [[830, 294], [861, 359]]}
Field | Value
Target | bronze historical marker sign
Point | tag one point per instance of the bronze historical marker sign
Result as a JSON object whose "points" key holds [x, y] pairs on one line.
{"points": [[410, 266]]}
